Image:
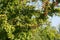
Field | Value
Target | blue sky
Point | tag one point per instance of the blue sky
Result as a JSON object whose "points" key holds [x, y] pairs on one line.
{"points": [[55, 20]]}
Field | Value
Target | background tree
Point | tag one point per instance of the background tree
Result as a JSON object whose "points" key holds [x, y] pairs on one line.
{"points": [[17, 21]]}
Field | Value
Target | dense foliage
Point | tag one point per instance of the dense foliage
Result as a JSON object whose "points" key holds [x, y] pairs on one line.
{"points": [[19, 21]]}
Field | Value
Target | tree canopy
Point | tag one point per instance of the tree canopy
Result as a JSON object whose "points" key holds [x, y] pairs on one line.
{"points": [[19, 21]]}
